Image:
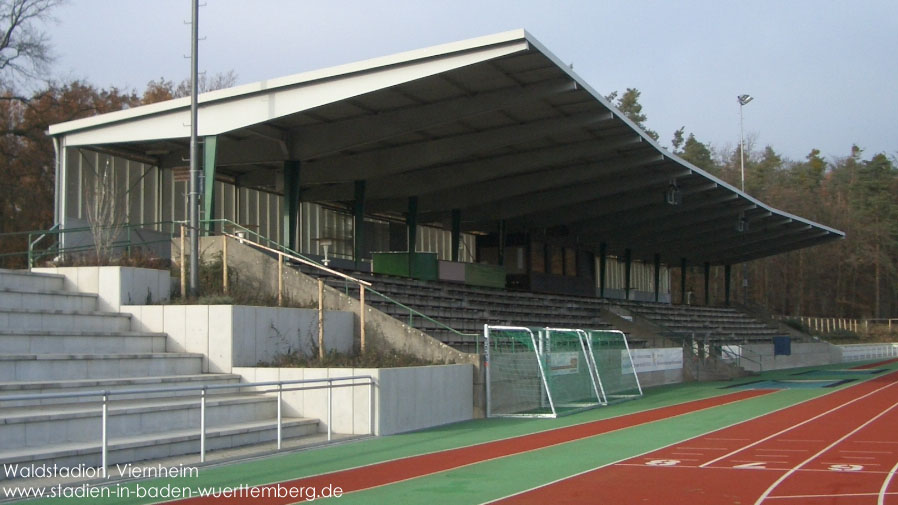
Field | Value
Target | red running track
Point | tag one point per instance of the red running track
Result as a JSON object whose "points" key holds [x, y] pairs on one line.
{"points": [[388, 472], [838, 449]]}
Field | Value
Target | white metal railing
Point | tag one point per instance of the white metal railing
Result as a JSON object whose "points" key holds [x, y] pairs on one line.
{"points": [[279, 387], [825, 325], [280, 287], [861, 352]]}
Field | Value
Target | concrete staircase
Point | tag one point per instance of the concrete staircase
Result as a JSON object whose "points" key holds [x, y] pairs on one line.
{"points": [[55, 342]]}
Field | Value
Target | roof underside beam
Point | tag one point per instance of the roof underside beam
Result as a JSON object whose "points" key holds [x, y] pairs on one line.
{"points": [[395, 160], [333, 137], [438, 178]]}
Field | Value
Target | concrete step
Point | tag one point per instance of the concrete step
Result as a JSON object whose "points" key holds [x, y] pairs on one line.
{"points": [[157, 445], [90, 385], [17, 341], [47, 300], [39, 426], [58, 320], [48, 367], [24, 280]]}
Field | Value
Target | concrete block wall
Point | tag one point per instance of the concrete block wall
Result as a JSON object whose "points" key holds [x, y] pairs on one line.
{"points": [[405, 399], [238, 335], [116, 286], [803, 354], [658, 366], [258, 271]]}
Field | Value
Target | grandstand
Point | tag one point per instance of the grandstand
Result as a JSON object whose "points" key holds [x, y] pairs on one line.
{"points": [[459, 312], [486, 152], [476, 183]]}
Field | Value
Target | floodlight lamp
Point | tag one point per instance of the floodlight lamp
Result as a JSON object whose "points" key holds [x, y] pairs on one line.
{"points": [[744, 99], [742, 224], [673, 195]]}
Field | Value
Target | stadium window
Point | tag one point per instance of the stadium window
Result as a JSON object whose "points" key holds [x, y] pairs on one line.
{"points": [[570, 262], [514, 260], [537, 257], [556, 260]]}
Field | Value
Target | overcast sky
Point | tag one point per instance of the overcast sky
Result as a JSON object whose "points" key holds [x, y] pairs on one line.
{"points": [[824, 74]]}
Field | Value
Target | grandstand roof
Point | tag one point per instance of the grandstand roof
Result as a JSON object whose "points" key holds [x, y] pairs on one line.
{"points": [[497, 127]]}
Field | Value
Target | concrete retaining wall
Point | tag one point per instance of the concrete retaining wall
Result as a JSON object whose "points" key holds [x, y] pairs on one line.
{"points": [[405, 399], [258, 271], [238, 335], [116, 286], [810, 354], [658, 366]]}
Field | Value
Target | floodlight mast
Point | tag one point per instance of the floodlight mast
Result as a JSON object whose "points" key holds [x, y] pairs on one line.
{"points": [[193, 203], [743, 100]]}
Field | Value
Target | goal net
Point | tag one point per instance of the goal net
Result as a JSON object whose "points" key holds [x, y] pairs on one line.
{"points": [[547, 372], [614, 364]]}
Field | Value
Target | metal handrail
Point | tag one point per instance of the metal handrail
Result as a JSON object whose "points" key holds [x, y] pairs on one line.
{"points": [[424, 316], [105, 394], [300, 259], [295, 256], [261, 239], [58, 231]]}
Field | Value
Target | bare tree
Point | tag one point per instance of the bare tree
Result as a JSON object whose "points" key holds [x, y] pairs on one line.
{"points": [[24, 47], [105, 210]]}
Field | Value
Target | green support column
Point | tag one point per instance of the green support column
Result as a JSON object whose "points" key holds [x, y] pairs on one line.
{"points": [[657, 277], [358, 225], [411, 222], [501, 243], [707, 283], [291, 203], [682, 281], [456, 233], [628, 264], [603, 261], [210, 144], [727, 273]]}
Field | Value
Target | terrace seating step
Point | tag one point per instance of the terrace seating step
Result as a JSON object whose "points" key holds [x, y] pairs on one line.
{"points": [[159, 445], [46, 367], [144, 382], [24, 341], [39, 299]]}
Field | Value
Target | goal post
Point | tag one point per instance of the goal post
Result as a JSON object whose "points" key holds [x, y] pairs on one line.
{"points": [[548, 372], [614, 364], [515, 375]]}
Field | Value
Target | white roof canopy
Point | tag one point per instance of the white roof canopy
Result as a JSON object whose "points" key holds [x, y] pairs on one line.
{"points": [[496, 127]]}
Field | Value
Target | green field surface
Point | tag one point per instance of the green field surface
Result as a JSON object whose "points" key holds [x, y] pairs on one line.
{"points": [[492, 479]]}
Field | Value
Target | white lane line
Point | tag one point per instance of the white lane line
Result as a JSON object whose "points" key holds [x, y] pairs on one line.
{"points": [[786, 430], [620, 462], [830, 446], [885, 485], [806, 496]]}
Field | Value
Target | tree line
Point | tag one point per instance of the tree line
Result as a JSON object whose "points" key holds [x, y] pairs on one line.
{"points": [[858, 193]]}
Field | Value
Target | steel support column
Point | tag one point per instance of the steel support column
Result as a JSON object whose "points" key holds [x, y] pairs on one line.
{"points": [[727, 273], [292, 196], [500, 250], [456, 233], [707, 283], [210, 145], [683, 281], [657, 276], [358, 223], [411, 222], [628, 264]]}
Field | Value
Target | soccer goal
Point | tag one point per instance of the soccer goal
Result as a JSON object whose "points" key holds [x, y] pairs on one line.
{"points": [[548, 372]]}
